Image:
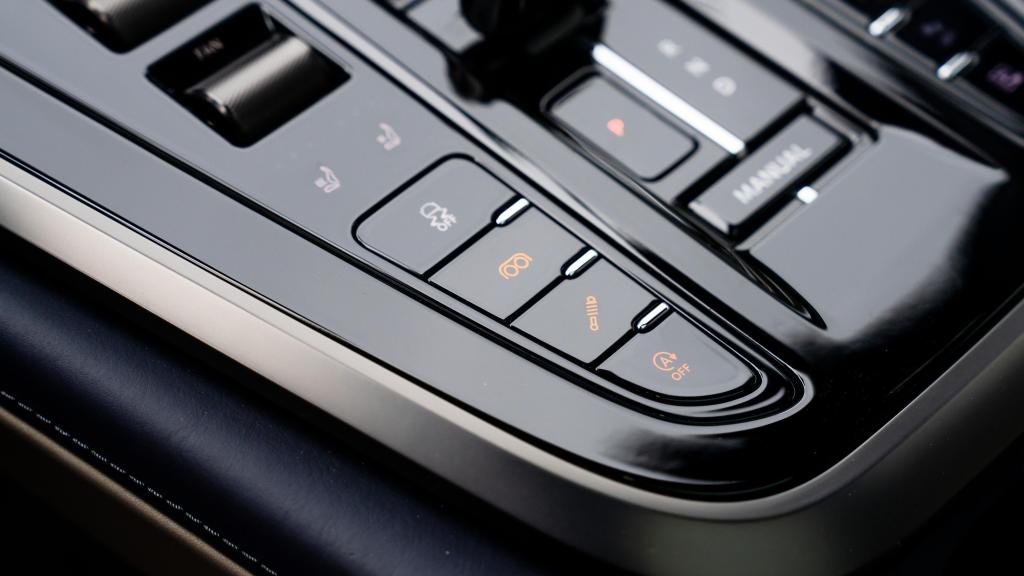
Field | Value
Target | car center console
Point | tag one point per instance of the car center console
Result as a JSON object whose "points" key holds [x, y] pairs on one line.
{"points": [[717, 275]]}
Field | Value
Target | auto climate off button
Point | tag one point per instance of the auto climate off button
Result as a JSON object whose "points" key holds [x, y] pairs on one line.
{"points": [[777, 167], [676, 360]]}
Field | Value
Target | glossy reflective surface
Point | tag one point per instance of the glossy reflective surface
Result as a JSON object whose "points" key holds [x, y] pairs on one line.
{"points": [[837, 310], [896, 274]]}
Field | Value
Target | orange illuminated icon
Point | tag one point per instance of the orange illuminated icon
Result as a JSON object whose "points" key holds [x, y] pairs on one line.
{"points": [[515, 264], [592, 314], [616, 126], [679, 373], [666, 362]]}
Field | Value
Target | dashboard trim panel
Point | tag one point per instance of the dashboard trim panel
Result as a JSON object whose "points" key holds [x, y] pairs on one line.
{"points": [[188, 231]]}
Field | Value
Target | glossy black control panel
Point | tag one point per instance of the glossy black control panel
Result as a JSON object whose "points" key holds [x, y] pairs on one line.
{"points": [[752, 178], [436, 215], [968, 46], [677, 257]]}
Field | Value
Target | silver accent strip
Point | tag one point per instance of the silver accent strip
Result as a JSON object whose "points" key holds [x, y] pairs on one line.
{"points": [[670, 101], [643, 324], [508, 214], [954, 66], [887, 22], [577, 265]]}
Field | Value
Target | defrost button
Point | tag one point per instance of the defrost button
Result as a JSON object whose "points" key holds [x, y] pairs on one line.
{"points": [[677, 361]]}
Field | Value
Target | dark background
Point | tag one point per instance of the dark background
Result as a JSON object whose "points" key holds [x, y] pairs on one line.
{"points": [[977, 533]]}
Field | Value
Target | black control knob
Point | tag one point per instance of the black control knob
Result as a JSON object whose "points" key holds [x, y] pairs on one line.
{"points": [[533, 25]]}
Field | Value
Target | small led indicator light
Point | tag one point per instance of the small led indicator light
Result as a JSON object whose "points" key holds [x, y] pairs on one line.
{"points": [[617, 126]]}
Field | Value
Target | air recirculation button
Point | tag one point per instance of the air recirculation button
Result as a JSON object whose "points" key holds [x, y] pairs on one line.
{"points": [[677, 362]]}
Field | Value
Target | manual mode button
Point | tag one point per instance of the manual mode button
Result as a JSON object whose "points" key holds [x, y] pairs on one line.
{"points": [[777, 167], [435, 216], [676, 360]]}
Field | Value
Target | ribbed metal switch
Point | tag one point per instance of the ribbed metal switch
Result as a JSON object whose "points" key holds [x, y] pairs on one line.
{"points": [[124, 24], [262, 90]]}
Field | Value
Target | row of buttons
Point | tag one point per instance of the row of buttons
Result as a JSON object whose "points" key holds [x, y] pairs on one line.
{"points": [[957, 39], [472, 236]]}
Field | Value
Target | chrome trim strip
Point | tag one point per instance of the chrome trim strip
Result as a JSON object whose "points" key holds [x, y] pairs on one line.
{"points": [[651, 317], [670, 101], [953, 67], [509, 214], [887, 22], [577, 265]]}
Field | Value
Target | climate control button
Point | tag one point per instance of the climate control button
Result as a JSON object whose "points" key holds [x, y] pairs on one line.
{"points": [[435, 216], [505, 269], [583, 317], [623, 129], [677, 361]]}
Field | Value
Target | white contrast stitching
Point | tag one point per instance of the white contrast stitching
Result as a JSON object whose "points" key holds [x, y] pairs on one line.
{"points": [[138, 482]]}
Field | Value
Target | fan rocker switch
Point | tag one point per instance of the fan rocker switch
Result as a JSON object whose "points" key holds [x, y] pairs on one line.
{"points": [[246, 76], [124, 24]]}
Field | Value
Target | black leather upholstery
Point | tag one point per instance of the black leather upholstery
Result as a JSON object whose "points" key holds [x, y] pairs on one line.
{"points": [[261, 485], [37, 535]]}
